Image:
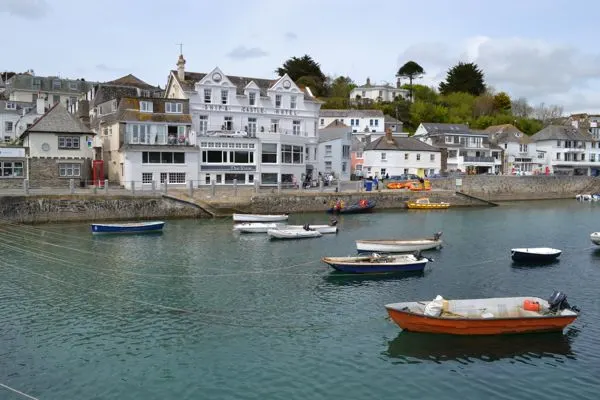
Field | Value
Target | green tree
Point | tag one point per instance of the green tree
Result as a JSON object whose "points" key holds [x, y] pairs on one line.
{"points": [[341, 86], [460, 106], [464, 77], [502, 102], [308, 69], [411, 70], [424, 93]]}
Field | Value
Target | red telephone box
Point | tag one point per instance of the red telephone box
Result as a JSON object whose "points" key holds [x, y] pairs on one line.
{"points": [[98, 173]]}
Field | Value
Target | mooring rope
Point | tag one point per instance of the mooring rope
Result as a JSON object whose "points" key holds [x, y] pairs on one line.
{"points": [[18, 392]]}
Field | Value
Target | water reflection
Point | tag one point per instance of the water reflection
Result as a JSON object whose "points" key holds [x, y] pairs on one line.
{"points": [[530, 264], [345, 279], [409, 347]]}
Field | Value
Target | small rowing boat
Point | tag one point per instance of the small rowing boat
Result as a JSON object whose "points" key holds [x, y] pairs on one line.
{"points": [[492, 316], [535, 254], [129, 227], [377, 263], [425, 204], [595, 238], [292, 234], [256, 227], [398, 245], [259, 217]]}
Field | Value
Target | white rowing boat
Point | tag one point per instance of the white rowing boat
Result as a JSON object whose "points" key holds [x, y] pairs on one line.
{"points": [[323, 229], [259, 217], [399, 246], [256, 227], [292, 234]]}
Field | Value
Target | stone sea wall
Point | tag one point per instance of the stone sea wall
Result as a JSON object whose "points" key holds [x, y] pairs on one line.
{"points": [[43, 209]]}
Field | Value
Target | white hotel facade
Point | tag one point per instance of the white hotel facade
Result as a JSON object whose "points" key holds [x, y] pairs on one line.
{"points": [[249, 129]]}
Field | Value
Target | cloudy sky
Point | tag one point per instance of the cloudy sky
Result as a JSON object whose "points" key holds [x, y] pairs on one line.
{"points": [[542, 50]]}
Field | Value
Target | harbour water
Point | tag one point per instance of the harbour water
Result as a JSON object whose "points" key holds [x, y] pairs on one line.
{"points": [[199, 312]]}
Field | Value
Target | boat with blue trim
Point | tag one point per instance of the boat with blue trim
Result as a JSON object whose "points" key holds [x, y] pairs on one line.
{"points": [[129, 227], [378, 263]]}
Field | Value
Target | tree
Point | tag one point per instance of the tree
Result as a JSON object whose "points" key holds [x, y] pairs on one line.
{"points": [[341, 86], [464, 77], [411, 70], [520, 108], [422, 92], [483, 106], [502, 102], [547, 113], [305, 67]]}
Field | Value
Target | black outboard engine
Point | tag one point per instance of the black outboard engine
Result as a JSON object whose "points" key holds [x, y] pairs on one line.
{"points": [[418, 255], [558, 302], [437, 235], [333, 222], [306, 227]]}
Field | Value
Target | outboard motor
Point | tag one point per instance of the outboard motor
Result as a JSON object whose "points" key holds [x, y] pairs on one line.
{"points": [[333, 222], [437, 235], [558, 302], [306, 227]]}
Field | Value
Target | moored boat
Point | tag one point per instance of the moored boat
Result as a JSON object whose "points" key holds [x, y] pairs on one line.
{"points": [[377, 263], [256, 227], [362, 206], [399, 245], [425, 204], [128, 227], [595, 238], [259, 217], [292, 234], [323, 229], [491, 316], [535, 254]]}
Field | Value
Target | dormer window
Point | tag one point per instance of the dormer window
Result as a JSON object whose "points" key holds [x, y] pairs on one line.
{"points": [[252, 98], [207, 96], [11, 106], [37, 83], [175, 108], [56, 84], [73, 85], [277, 101], [224, 96], [293, 102], [146, 106]]}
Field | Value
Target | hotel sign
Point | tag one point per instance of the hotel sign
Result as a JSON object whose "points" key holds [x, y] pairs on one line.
{"points": [[12, 152], [228, 168], [250, 110]]}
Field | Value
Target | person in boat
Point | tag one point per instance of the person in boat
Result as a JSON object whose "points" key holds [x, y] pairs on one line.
{"points": [[338, 205], [333, 222], [307, 227], [363, 203]]}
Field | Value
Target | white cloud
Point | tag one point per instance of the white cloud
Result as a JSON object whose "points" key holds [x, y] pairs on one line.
{"points": [[30, 9], [539, 70], [243, 52]]}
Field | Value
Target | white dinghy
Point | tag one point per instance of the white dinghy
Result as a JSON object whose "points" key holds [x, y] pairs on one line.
{"points": [[595, 238], [292, 234], [259, 217], [256, 227], [322, 229]]}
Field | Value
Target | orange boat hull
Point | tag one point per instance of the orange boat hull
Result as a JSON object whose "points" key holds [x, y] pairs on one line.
{"points": [[463, 326]]}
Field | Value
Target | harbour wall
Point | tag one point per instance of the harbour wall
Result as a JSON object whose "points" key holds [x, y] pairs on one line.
{"points": [[65, 208]]}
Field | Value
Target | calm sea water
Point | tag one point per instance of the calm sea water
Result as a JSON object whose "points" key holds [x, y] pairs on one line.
{"points": [[202, 313]]}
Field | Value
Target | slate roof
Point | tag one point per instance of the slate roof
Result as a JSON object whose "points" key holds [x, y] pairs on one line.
{"points": [[351, 114], [562, 132], [25, 82], [507, 133], [400, 144], [328, 134], [112, 92], [58, 120], [20, 106], [132, 80], [240, 82], [357, 145], [336, 124], [391, 120], [433, 128]]}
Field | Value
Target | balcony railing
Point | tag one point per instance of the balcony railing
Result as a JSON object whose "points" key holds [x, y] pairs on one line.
{"points": [[246, 131], [161, 139], [479, 159]]}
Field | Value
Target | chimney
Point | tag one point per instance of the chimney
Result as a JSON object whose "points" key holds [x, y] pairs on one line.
{"points": [[388, 135], [398, 83], [40, 106], [368, 81], [181, 68]]}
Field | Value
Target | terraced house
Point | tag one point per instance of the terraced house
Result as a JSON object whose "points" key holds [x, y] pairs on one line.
{"points": [[248, 129], [464, 150], [145, 138]]}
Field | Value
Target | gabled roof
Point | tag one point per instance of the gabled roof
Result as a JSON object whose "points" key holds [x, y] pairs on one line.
{"points": [[562, 132], [400, 144], [113, 92], [132, 81], [445, 128], [350, 113], [58, 120], [336, 124], [240, 82], [391, 120], [20, 105], [330, 133], [25, 82], [507, 133]]}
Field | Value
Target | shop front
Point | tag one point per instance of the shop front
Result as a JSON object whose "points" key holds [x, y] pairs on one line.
{"points": [[227, 174]]}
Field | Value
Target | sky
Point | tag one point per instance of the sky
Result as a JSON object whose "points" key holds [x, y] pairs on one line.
{"points": [[541, 50]]}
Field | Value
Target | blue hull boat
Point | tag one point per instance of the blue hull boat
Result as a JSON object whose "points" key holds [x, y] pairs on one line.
{"points": [[363, 206], [377, 264], [132, 227]]}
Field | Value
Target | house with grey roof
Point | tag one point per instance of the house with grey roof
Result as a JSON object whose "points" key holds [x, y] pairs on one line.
{"points": [[28, 87], [519, 154], [14, 118], [390, 155], [58, 148], [360, 121], [273, 119], [566, 150], [334, 151], [369, 93], [465, 150]]}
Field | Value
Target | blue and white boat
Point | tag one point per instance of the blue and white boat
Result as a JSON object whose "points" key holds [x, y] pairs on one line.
{"points": [[129, 227], [377, 263]]}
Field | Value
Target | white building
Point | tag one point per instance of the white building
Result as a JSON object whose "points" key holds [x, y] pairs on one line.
{"points": [[333, 152], [467, 150], [520, 156], [385, 92], [16, 117], [567, 150], [359, 121], [400, 155], [274, 121]]}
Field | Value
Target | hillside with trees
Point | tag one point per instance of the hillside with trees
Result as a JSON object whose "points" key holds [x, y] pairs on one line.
{"points": [[463, 97]]}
